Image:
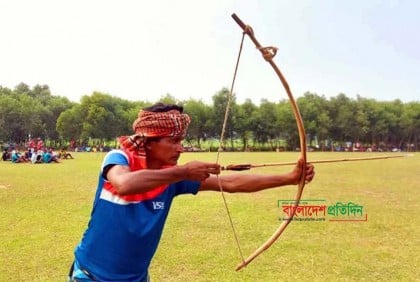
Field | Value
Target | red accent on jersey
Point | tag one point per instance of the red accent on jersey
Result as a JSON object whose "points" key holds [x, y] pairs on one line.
{"points": [[136, 162]]}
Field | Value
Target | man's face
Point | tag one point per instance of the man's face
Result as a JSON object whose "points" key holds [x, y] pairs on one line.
{"points": [[166, 151]]}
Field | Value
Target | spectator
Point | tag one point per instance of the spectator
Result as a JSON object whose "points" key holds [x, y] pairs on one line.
{"points": [[6, 156], [39, 144], [49, 156], [17, 157], [37, 158], [64, 154], [31, 145]]}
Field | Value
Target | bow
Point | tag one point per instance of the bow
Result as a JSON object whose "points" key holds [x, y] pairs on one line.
{"points": [[268, 53]]}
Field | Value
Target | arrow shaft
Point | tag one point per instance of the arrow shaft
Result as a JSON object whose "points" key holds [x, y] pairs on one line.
{"points": [[249, 166]]}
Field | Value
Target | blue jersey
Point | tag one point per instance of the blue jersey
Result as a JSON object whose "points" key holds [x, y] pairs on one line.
{"points": [[47, 157], [15, 157], [124, 231]]}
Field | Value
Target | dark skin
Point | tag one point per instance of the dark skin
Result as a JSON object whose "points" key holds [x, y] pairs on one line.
{"points": [[167, 150]]}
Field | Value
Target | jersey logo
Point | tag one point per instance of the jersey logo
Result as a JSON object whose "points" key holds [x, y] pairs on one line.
{"points": [[158, 205]]}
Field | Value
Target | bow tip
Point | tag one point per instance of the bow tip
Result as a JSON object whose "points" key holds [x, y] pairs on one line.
{"points": [[240, 266]]}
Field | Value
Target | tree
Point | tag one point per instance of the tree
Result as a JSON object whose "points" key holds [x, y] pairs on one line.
{"points": [[54, 107], [265, 120], [70, 122], [22, 88], [220, 101], [314, 111], [286, 125], [10, 119], [41, 93], [169, 99], [410, 126], [100, 116], [244, 122], [200, 114], [32, 115], [341, 112]]}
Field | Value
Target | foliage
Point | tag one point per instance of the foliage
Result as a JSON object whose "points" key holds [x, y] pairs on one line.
{"points": [[329, 123]]}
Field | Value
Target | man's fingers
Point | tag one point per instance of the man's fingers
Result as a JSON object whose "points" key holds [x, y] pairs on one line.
{"points": [[309, 173], [213, 168]]}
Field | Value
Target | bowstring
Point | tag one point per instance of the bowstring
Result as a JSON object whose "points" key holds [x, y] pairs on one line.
{"points": [[221, 141]]}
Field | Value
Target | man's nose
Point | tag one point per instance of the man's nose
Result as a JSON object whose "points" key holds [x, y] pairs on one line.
{"points": [[180, 148]]}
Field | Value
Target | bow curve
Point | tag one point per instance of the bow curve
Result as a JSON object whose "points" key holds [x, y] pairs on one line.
{"points": [[268, 53]]}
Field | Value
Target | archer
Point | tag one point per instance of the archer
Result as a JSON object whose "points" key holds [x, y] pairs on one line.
{"points": [[137, 184]]}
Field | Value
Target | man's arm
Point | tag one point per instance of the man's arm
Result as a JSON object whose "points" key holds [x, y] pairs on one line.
{"points": [[128, 182], [252, 182]]}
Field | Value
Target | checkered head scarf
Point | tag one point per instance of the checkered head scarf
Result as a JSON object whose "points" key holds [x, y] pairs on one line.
{"points": [[155, 124]]}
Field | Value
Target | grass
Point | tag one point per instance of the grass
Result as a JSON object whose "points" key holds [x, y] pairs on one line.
{"points": [[45, 209]]}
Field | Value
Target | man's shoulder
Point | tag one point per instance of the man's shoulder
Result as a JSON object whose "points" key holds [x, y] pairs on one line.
{"points": [[116, 154], [123, 157]]}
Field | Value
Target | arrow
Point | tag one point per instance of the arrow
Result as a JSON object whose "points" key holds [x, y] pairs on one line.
{"points": [[240, 167]]}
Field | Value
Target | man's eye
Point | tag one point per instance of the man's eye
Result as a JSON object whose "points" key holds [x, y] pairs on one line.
{"points": [[177, 141]]}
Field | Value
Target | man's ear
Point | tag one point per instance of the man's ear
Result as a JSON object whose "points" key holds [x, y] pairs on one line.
{"points": [[147, 146], [147, 143]]}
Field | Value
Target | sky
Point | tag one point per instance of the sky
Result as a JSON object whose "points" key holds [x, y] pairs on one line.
{"points": [[142, 50]]}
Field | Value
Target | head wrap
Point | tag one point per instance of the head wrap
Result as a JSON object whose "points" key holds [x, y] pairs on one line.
{"points": [[155, 124]]}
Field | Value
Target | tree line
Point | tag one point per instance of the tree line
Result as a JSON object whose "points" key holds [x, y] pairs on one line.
{"points": [[100, 118]]}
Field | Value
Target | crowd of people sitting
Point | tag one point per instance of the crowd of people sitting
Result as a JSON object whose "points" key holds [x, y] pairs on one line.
{"points": [[35, 153]]}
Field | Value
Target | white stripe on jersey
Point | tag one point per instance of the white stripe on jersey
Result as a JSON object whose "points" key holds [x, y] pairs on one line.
{"points": [[108, 196]]}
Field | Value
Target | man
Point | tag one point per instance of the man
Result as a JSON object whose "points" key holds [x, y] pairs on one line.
{"points": [[50, 156], [136, 186], [17, 157], [64, 154], [39, 144], [31, 146], [6, 156]]}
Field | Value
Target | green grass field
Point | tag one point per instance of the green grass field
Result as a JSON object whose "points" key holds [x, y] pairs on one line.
{"points": [[45, 208]]}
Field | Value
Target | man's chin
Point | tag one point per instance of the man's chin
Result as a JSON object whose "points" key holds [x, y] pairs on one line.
{"points": [[173, 161]]}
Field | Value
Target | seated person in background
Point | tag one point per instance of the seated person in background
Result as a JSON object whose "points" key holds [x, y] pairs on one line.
{"points": [[37, 157], [28, 154], [33, 157], [18, 157], [49, 156], [54, 155], [6, 155], [64, 155]]}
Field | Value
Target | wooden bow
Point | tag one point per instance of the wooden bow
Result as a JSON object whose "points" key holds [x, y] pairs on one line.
{"points": [[268, 53]]}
